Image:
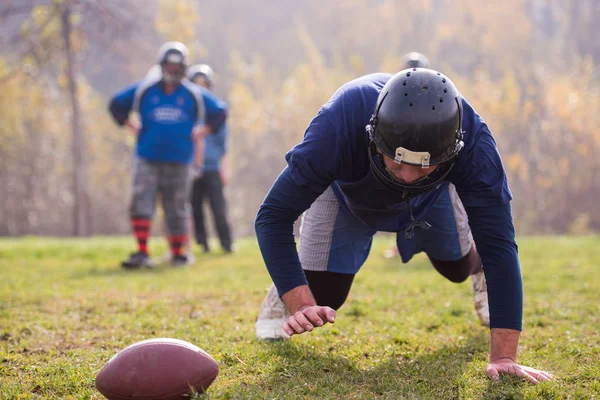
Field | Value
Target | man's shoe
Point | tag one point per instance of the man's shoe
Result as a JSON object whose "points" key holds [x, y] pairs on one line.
{"points": [[180, 260], [136, 261], [480, 296], [271, 317]]}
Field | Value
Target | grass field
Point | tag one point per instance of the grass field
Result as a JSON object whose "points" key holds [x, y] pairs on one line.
{"points": [[404, 333]]}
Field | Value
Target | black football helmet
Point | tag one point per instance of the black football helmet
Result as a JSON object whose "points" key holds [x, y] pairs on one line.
{"points": [[415, 60], [417, 121]]}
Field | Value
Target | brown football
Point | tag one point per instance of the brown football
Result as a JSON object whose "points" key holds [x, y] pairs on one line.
{"points": [[157, 369]]}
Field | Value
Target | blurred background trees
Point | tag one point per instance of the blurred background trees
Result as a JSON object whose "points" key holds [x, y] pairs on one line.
{"points": [[530, 68]]}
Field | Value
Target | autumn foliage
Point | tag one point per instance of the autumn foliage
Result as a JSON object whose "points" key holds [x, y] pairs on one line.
{"points": [[528, 67]]}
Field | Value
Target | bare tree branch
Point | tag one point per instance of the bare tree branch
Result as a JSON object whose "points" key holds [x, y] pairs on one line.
{"points": [[9, 10]]}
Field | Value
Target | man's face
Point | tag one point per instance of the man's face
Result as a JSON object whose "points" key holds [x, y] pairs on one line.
{"points": [[173, 68], [202, 81], [406, 173]]}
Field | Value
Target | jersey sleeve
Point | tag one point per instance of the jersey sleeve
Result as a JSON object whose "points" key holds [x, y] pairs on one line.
{"points": [[482, 186], [121, 104], [216, 111], [479, 174], [322, 157], [326, 153], [274, 226], [494, 235]]}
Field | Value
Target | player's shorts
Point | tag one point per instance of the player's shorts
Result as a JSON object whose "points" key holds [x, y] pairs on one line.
{"points": [[172, 181], [333, 239]]}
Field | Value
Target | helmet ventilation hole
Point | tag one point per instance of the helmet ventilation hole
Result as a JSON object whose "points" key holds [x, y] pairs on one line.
{"points": [[443, 80], [411, 104], [408, 73], [406, 94], [441, 99], [433, 108], [404, 83], [445, 90]]}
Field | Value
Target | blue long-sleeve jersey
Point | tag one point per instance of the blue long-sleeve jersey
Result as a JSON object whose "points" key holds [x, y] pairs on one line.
{"points": [[168, 119], [215, 148], [334, 153]]}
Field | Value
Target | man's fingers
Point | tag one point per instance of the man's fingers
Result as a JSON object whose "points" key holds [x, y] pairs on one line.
{"points": [[520, 372], [288, 329], [295, 325], [303, 321], [313, 317], [527, 373], [328, 314], [493, 374], [545, 376], [539, 374], [307, 319], [515, 369]]}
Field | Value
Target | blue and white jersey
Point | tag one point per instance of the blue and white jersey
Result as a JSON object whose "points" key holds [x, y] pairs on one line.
{"points": [[168, 119]]}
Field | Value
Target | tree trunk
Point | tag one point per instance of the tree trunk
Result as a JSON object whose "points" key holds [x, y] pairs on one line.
{"points": [[81, 212]]}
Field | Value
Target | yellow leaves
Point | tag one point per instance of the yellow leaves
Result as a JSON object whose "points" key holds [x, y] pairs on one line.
{"points": [[313, 53], [583, 149], [518, 165], [177, 21], [581, 225], [356, 64], [544, 182], [563, 166], [248, 113], [571, 98], [392, 63]]}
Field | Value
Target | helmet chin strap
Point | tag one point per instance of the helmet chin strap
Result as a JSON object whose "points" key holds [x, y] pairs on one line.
{"points": [[409, 232]]}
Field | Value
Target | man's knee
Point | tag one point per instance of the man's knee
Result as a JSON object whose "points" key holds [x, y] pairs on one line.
{"points": [[141, 208], [458, 271], [329, 288]]}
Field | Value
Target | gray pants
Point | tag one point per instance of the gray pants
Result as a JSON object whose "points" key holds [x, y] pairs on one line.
{"points": [[172, 181]]}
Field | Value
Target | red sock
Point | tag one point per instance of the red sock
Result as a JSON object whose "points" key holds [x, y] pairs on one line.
{"points": [[177, 242], [141, 230]]}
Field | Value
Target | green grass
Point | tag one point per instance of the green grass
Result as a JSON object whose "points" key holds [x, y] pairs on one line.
{"points": [[404, 333]]}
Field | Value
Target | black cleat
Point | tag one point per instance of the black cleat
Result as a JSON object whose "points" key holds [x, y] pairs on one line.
{"points": [[180, 260], [136, 261]]}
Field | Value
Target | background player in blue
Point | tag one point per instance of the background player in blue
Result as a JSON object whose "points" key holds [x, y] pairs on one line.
{"points": [[209, 184], [421, 135], [174, 114]]}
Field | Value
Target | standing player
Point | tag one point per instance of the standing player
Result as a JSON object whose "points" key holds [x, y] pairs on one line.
{"points": [[209, 185], [174, 113]]}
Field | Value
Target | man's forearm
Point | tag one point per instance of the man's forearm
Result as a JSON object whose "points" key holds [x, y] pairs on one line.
{"points": [[298, 298], [198, 151], [504, 343]]}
